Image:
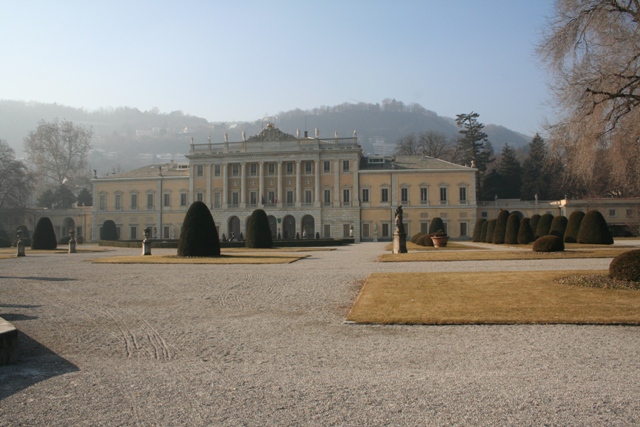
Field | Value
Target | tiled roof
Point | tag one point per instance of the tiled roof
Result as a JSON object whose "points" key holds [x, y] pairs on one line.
{"points": [[150, 171], [410, 162]]}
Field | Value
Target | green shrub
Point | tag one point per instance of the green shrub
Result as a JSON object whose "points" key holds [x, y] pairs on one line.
{"points": [[525, 235], [415, 237], [513, 227], [259, 232], [559, 226], [573, 227], [477, 230], [483, 231], [548, 243], [491, 226], [500, 229], [626, 266], [594, 230], [544, 225], [43, 235], [533, 223], [199, 236], [109, 230], [4, 242], [436, 225], [425, 239]]}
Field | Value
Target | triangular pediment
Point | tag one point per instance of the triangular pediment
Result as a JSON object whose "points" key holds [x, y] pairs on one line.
{"points": [[271, 133]]}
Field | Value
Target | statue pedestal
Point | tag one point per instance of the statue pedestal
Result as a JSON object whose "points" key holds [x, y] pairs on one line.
{"points": [[399, 243]]}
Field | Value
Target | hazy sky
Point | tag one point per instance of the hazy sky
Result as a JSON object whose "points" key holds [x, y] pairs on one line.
{"points": [[241, 60]]}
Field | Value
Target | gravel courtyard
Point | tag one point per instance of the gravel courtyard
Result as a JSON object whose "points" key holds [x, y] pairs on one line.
{"points": [[266, 345]]}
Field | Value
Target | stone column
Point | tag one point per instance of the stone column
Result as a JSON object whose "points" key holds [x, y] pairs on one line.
{"points": [[225, 186], [279, 194], [243, 203], [355, 197], [261, 194], [208, 199], [298, 184], [316, 200], [336, 184]]}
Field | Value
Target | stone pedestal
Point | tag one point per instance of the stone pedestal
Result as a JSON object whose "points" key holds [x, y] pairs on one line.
{"points": [[399, 243], [20, 244], [72, 242], [146, 243]]}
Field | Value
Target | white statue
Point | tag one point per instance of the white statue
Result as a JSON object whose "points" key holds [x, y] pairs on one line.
{"points": [[317, 133], [226, 137]]}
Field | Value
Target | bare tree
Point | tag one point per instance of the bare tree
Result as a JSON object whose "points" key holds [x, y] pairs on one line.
{"points": [[408, 146], [434, 144], [15, 181], [592, 48], [58, 151]]}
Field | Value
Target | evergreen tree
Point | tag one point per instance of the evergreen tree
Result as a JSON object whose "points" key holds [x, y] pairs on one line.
{"points": [[64, 198], [199, 236], [541, 173], [510, 171], [47, 199], [475, 148], [85, 198]]}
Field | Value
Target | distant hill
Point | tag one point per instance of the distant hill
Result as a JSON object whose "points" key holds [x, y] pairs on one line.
{"points": [[126, 137]]}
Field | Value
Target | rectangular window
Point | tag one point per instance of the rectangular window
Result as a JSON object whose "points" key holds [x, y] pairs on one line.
{"points": [[463, 195], [199, 170], [133, 232], [327, 197], [216, 170], [253, 198], [118, 202], [166, 202], [365, 231], [384, 195], [216, 200], [365, 195], [424, 227], [308, 168], [289, 197], [484, 214], [289, 168], [327, 231], [200, 196], [385, 229], [150, 201], [271, 197], [183, 199], [345, 165], [404, 195], [443, 195], [424, 195], [308, 196], [134, 202], [463, 229], [271, 169], [235, 199], [346, 195], [327, 166], [345, 230], [612, 212], [253, 169], [235, 169], [165, 232]]}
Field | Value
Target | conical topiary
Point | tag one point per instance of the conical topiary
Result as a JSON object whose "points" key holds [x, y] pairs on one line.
{"points": [[477, 230], [513, 226], [501, 227], [525, 235], [199, 236], [43, 235], [594, 229], [483, 231], [491, 226], [573, 227], [258, 231], [544, 225], [109, 230], [533, 223], [626, 266], [436, 225], [558, 226]]}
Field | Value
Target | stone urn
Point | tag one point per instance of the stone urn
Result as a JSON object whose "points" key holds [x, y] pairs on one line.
{"points": [[439, 240]]}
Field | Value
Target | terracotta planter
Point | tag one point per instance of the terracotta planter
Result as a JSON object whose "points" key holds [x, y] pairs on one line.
{"points": [[439, 241]]}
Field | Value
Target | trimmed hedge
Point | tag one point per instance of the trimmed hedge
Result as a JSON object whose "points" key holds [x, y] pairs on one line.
{"points": [[513, 227], [548, 243], [533, 223], [491, 226], [544, 225], [259, 232], [483, 231], [559, 226], [500, 230], [436, 225], [525, 235], [199, 236], [425, 239], [109, 230], [626, 266], [573, 227], [594, 230], [415, 237], [43, 235], [4, 242], [477, 230]]}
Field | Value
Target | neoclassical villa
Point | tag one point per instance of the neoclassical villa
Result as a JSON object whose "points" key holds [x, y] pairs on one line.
{"points": [[308, 186]]}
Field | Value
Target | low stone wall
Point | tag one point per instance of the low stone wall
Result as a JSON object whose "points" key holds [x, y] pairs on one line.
{"points": [[8, 343], [303, 243]]}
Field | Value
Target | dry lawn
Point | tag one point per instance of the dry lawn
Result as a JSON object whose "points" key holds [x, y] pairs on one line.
{"points": [[247, 258], [490, 298], [450, 246]]}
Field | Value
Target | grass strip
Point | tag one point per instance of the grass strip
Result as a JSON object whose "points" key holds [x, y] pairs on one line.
{"points": [[490, 298]]}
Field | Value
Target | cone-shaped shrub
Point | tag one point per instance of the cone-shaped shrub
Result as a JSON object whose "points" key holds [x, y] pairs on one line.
{"points": [[491, 226], [544, 225], [626, 266], [533, 223], [525, 235], [199, 236], [513, 226], [436, 225], [594, 230], [483, 231], [43, 235], [259, 232], [573, 226], [558, 226], [501, 227], [548, 243], [477, 230], [109, 231]]}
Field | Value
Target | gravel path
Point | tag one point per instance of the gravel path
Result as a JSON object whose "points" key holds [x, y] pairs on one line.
{"points": [[200, 345]]}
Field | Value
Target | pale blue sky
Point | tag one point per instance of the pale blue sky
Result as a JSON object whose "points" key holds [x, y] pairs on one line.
{"points": [[242, 60]]}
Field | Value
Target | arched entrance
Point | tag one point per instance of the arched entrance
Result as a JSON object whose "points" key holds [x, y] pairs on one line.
{"points": [[289, 227], [68, 224], [273, 226], [234, 227], [308, 227]]}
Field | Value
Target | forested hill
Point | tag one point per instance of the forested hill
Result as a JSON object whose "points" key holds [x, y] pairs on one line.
{"points": [[126, 137]]}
